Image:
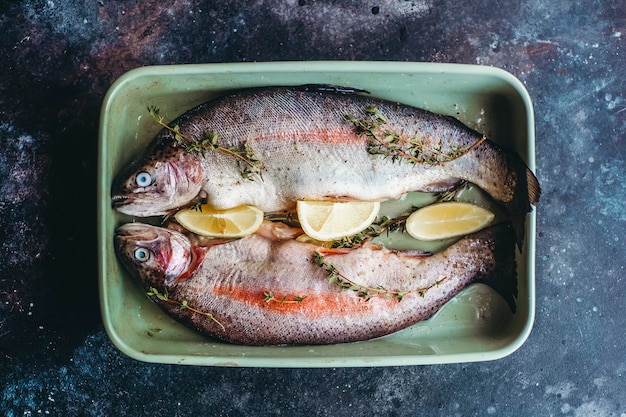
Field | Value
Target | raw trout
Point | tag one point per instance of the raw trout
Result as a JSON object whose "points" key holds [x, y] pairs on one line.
{"points": [[306, 149], [269, 289]]}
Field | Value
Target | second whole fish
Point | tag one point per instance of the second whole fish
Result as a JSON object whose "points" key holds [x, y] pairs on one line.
{"points": [[269, 289], [307, 149]]}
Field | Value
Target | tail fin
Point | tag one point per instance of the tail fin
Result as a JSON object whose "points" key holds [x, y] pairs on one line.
{"points": [[534, 191], [329, 88], [526, 192]]}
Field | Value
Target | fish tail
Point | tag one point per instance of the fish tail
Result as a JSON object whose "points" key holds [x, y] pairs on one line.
{"points": [[534, 191], [525, 193], [502, 276]]}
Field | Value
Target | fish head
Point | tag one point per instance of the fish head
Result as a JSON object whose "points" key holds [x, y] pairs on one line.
{"points": [[163, 180], [157, 256]]}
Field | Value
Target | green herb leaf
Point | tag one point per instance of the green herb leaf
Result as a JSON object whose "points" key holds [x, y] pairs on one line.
{"points": [[335, 277], [164, 296], [384, 141], [251, 166]]}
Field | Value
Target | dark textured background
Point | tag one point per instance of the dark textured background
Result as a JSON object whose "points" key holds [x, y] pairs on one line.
{"points": [[57, 59]]}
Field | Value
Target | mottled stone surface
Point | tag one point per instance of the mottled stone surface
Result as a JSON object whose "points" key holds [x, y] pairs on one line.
{"points": [[58, 57]]}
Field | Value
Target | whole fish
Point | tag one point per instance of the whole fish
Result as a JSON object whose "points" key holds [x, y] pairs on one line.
{"points": [[269, 289], [311, 144]]}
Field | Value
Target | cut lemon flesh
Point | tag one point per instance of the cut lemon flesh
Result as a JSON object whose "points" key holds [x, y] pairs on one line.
{"points": [[447, 220], [329, 220], [231, 223]]}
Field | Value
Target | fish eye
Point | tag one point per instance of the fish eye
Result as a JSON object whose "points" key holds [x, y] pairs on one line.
{"points": [[142, 254], [143, 179]]}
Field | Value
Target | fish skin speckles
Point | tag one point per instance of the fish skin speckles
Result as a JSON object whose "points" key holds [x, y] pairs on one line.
{"points": [[307, 149], [257, 299]]}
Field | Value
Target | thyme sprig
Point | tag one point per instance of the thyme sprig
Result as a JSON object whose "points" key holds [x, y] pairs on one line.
{"points": [[197, 205], [451, 194], [251, 165], [384, 141], [164, 296], [364, 291], [290, 218], [383, 225], [269, 297]]}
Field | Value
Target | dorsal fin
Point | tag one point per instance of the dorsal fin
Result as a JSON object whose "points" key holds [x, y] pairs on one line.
{"points": [[329, 88]]}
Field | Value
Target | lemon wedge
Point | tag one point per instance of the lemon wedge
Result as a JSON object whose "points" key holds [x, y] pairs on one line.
{"points": [[447, 220], [231, 223], [331, 220]]}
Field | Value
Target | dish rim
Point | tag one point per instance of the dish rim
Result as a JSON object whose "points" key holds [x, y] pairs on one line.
{"points": [[379, 67]]}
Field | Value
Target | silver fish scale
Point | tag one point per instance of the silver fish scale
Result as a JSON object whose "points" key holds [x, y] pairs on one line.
{"points": [[233, 280], [308, 150]]}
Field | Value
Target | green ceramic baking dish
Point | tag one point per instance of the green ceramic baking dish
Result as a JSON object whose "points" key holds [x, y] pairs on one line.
{"points": [[475, 326]]}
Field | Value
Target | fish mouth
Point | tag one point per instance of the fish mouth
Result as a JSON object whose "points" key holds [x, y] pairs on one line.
{"points": [[130, 206], [118, 200]]}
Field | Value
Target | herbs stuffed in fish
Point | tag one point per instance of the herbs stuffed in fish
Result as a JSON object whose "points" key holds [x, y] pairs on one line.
{"points": [[268, 289], [271, 147]]}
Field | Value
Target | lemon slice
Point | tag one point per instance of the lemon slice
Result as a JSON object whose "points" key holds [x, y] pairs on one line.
{"points": [[447, 220], [231, 223], [330, 220]]}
